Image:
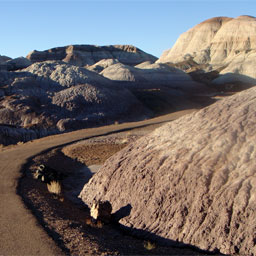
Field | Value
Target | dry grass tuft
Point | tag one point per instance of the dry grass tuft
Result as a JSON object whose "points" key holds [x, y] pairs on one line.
{"points": [[149, 245], [62, 199], [54, 187], [126, 139]]}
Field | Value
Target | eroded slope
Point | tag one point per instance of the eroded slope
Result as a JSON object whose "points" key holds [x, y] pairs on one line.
{"points": [[191, 181]]}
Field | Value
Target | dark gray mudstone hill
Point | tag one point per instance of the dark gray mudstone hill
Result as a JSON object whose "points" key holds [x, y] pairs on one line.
{"points": [[54, 96], [191, 181]]}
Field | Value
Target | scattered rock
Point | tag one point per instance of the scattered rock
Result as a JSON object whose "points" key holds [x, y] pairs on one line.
{"points": [[47, 174], [101, 210], [191, 181]]}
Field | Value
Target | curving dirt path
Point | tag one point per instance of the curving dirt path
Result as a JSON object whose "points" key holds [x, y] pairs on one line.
{"points": [[20, 233]]}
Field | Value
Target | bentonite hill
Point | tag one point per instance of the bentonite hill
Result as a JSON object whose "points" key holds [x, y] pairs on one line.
{"points": [[192, 181], [222, 43]]}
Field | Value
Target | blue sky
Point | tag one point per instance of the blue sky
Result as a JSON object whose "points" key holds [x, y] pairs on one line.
{"points": [[151, 25]]}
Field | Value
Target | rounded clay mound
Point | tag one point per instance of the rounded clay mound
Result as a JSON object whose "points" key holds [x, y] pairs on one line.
{"points": [[224, 44], [192, 181]]}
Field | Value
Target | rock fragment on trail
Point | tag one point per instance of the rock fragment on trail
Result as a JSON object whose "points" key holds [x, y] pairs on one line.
{"points": [[101, 211]]}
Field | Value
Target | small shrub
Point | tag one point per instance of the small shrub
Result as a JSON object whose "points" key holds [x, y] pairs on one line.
{"points": [[62, 199], [124, 141], [149, 245], [54, 187]]}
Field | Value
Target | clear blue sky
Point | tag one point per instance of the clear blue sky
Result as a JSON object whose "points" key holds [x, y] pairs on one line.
{"points": [[151, 25]]}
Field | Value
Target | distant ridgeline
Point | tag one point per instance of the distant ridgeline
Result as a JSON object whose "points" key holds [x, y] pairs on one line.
{"points": [[86, 55]]}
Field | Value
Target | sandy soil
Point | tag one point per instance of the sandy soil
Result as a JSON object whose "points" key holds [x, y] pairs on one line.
{"points": [[64, 218]]}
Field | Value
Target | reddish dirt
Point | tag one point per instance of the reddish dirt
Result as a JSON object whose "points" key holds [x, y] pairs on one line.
{"points": [[93, 153]]}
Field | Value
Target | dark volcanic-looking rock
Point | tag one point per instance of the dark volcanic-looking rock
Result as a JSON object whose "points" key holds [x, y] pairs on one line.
{"points": [[192, 180], [83, 55]]}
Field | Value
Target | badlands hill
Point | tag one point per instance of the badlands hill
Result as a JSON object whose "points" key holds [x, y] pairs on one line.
{"points": [[86, 55], [227, 44], [148, 75], [80, 86], [126, 64], [191, 181], [53, 96]]}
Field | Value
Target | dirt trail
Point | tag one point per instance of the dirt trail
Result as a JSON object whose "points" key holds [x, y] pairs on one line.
{"points": [[20, 233]]}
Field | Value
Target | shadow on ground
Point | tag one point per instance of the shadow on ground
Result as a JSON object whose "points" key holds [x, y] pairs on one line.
{"points": [[64, 221]]}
